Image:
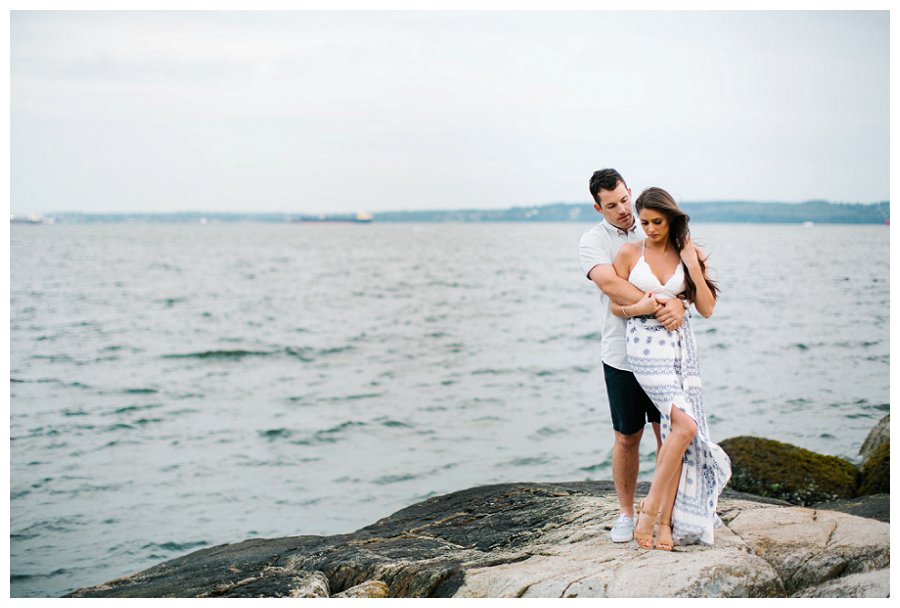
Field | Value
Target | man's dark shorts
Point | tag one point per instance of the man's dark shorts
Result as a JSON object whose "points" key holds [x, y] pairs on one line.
{"points": [[629, 405]]}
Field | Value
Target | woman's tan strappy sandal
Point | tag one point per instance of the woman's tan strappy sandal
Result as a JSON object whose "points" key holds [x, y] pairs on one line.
{"points": [[661, 545], [644, 539]]}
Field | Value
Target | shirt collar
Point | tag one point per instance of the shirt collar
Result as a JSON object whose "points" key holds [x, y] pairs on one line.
{"points": [[621, 232]]}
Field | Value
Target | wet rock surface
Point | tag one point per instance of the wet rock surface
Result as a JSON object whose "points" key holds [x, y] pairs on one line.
{"points": [[874, 506], [538, 540], [877, 437], [875, 472]]}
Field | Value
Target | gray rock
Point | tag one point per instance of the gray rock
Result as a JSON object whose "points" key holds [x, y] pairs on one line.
{"points": [[808, 547], [863, 584], [880, 434], [366, 589], [534, 540]]}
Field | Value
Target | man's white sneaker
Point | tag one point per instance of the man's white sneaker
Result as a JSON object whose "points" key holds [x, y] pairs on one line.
{"points": [[623, 530]]}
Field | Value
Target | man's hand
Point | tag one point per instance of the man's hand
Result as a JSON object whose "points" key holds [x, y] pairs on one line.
{"points": [[671, 313]]}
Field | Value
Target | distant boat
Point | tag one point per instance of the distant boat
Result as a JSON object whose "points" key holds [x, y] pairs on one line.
{"points": [[359, 218]]}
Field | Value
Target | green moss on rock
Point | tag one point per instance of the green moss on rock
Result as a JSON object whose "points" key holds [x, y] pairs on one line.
{"points": [[780, 470], [875, 476]]}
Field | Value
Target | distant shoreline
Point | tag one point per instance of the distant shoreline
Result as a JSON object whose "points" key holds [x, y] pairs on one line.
{"points": [[816, 212]]}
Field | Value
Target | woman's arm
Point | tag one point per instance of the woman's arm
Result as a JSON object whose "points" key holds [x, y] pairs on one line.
{"points": [[647, 305], [704, 300]]}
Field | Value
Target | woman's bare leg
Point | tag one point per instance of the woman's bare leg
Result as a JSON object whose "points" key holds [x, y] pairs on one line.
{"points": [[664, 537], [684, 429], [661, 497]]}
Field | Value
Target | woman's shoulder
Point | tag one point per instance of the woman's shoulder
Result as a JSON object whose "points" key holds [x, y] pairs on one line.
{"points": [[627, 256], [630, 250]]}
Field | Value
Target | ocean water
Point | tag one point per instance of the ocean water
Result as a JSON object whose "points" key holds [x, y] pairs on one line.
{"points": [[175, 387]]}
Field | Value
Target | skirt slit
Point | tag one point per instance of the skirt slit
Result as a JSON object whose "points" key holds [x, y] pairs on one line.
{"points": [[666, 366]]}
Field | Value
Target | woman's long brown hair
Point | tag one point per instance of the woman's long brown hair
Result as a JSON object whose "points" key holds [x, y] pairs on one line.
{"points": [[657, 199]]}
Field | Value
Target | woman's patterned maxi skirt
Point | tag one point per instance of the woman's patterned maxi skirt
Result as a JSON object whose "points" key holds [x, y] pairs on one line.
{"points": [[665, 364]]}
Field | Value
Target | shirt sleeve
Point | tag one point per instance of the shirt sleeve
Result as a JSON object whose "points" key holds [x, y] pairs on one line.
{"points": [[593, 252]]}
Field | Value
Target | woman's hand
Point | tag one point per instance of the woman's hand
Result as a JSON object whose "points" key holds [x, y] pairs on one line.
{"points": [[689, 254], [647, 305]]}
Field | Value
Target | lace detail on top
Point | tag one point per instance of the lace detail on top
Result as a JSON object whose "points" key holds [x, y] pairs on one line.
{"points": [[642, 277]]}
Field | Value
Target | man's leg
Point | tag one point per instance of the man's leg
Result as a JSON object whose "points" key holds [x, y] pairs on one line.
{"points": [[628, 418], [656, 433], [626, 459]]}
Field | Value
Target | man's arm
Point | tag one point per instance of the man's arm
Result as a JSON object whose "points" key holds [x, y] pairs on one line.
{"points": [[619, 291], [623, 293]]}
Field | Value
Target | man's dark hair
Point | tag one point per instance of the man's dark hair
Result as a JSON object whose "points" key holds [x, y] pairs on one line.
{"points": [[604, 179]]}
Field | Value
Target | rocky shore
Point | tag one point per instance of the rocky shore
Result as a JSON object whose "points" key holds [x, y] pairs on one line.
{"points": [[538, 540], [552, 540]]}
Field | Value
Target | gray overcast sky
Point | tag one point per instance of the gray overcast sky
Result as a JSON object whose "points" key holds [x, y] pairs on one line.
{"points": [[374, 111]]}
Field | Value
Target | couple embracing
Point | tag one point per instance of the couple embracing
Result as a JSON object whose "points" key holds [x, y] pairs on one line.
{"points": [[649, 277]]}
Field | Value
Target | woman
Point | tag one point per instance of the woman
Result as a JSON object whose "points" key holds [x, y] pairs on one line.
{"points": [[691, 471]]}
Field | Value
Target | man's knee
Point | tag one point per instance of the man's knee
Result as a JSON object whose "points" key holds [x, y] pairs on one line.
{"points": [[629, 442]]}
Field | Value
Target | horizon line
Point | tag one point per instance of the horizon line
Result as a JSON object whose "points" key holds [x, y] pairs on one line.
{"points": [[434, 210]]}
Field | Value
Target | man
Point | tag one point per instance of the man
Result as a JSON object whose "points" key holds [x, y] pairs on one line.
{"points": [[629, 406]]}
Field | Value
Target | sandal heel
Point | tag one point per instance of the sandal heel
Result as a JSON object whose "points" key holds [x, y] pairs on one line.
{"points": [[644, 539], [661, 545]]}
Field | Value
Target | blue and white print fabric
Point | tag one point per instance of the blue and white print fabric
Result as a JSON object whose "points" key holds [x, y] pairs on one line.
{"points": [[666, 366]]}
